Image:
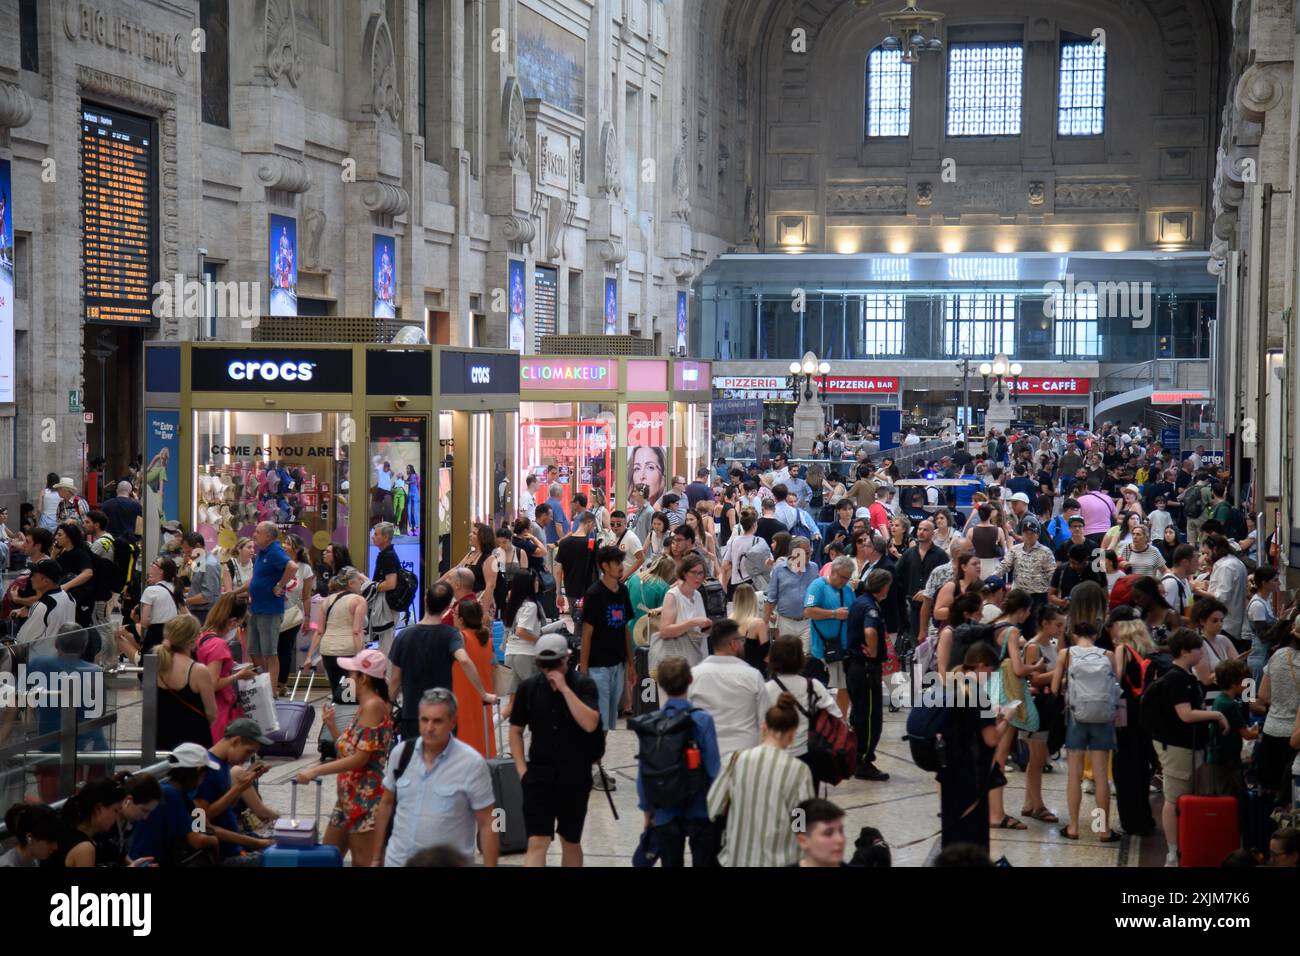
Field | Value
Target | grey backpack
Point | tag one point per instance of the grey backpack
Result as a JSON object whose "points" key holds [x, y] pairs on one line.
{"points": [[1092, 692]]}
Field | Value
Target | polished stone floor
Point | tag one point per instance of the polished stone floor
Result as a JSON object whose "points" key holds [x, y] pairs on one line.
{"points": [[904, 808]]}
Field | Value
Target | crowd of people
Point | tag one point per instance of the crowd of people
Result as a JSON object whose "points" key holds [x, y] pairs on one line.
{"points": [[752, 626]]}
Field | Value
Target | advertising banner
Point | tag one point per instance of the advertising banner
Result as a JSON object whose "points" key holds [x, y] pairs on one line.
{"points": [[6, 284], [385, 278], [517, 304], [162, 457], [283, 257], [681, 322], [611, 307]]}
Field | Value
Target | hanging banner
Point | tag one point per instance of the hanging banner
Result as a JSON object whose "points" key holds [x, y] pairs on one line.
{"points": [[611, 307], [6, 285], [284, 266], [385, 278], [162, 461], [517, 302], [646, 424], [681, 322]]}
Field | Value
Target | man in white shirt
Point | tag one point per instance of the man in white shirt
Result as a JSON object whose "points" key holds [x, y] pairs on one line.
{"points": [[1227, 581], [528, 498], [732, 692], [53, 607], [912, 437], [1176, 585], [622, 536]]}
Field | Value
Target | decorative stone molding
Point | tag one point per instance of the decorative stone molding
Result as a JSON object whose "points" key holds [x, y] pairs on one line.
{"points": [[559, 216], [518, 229], [753, 222], [282, 172], [385, 102], [611, 181], [612, 251], [925, 194], [282, 56], [515, 123], [1037, 192], [866, 198], [1260, 89], [682, 268], [313, 228], [681, 186], [15, 105], [385, 198], [1096, 195]]}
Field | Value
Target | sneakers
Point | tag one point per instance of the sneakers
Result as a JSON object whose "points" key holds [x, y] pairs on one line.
{"points": [[868, 771], [602, 782], [1171, 858]]}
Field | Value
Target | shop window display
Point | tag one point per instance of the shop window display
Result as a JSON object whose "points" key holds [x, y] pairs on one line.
{"points": [[569, 444], [270, 466]]}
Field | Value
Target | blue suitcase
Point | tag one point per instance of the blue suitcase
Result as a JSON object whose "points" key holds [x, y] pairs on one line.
{"points": [[296, 846]]}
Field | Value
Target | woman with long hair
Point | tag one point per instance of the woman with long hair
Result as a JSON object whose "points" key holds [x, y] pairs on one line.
{"points": [[162, 599], [470, 621], [362, 754], [334, 559], [1260, 617], [786, 662], [1016, 608], [648, 466], [1095, 741], [143, 793], [758, 791], [340, 627], [944, 532], [1279, 699], [647, 589], [187, 707], [782, 543], [1168, 541], [47, 506], [1088, 605], [1132, 762], [524, 619], [965, 609], [900, 535], [297, 602], [753, 628], [1120, 531], [704, 537], [660, 529], [481, 562], [237, 566], [213, 650], [965, 579], [91, 811]]}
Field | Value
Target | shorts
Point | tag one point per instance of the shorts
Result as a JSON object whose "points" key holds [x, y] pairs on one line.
{"points": [[835, 676], [264, 634], [1176, 764], [351, 819], [555, 805], [1081, 736], [523, 666], [796, 627]]}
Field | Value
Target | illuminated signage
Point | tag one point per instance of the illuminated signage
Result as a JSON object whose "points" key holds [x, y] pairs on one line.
{"points": [[119, 217], [842, 385], [270, 370], [567, 373], [690, 376], [770, 382], [1177, 398], [463, 373], [241, 371], [480, 375], [1051, 386]]}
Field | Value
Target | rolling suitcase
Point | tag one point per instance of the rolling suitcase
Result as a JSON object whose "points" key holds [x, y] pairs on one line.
{"points": [[296, 845], [645, 694], [296, 719], [507, 794], [1208, 828]]}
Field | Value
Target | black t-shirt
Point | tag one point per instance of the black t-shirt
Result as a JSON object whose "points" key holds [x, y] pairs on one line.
{"points": [[574, 554], [386, 563], [73, 562], [121, 514], [535, 552], [962, 458], [69, 839], [1065, 579], [557, 740], [768, 528], [1179, 687], [608, 612], [425, 653]]}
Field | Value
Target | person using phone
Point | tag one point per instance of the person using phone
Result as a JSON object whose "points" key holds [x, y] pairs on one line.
{"points": [[228, 787]]}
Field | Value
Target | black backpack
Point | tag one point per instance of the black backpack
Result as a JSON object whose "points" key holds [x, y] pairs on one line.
{"points": [[666, 777], [968, 635], [715, 599], [926, 729], [126, 554], [108, 576], [1234, 529], [400, 597]]}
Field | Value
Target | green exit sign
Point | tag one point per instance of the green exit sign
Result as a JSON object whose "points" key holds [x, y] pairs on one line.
{"points": [[74, 400]]}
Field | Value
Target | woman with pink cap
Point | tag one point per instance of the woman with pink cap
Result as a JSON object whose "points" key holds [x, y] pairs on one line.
{"points": [[362, 753]]}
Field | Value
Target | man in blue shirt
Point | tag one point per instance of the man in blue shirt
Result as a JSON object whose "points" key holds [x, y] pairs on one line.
{"points": [[786, 589], [1058, 529], [220, 792], [827, 607], [272, 571], [559, 526], [867, 650], [671, 827]]}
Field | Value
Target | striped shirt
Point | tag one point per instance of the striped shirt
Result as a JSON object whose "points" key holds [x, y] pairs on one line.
{"points": [[758, 790], [1149, 561]]}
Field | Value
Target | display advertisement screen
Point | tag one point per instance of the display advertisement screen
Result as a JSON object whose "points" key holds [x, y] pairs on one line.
{"points": [[681, 322], [119, 216], [397, 485], [611, 306], [284, 266], [6, 284], [385, 272], [518, 302]]}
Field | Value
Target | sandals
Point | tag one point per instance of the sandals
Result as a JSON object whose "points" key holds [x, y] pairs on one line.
{"points": [[1113, 838], [1042, 814], [1065, 832], [1010, 823]]}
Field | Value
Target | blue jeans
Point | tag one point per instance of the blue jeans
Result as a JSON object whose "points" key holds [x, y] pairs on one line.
{"points": [[609, 687]]}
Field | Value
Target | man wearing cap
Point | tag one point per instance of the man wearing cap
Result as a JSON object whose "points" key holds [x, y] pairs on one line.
{"points": [[169, 834], [561, 709], [1030, 565], [173, 541], [228, 784], [53, 607]]}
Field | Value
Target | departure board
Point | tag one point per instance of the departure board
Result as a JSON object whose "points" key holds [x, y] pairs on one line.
{"points": [[118, 216]]}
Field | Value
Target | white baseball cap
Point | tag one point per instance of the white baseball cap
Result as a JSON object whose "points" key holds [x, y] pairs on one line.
{"points": [[1020, 496]]}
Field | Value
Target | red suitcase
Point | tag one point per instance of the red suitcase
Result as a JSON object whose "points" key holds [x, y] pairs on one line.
{"points": [[1207, 828]]}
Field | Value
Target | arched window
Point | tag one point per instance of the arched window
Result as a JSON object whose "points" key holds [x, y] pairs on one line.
{"points": [[1081, 110], [889, 94]]}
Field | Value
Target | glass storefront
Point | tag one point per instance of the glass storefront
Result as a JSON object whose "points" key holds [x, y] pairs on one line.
{"points": [[397, 483], [282, 466]]}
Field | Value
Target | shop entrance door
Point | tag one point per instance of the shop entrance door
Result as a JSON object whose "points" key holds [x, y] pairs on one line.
{"points": [[399, 485], [580, 452]]}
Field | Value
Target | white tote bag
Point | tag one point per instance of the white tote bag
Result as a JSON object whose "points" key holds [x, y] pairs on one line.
{"points": [[258, 701]]}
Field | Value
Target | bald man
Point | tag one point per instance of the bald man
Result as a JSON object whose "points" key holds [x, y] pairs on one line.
{"points": [[123, 512]]}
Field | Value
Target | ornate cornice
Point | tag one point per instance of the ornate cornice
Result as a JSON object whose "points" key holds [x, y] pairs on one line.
{"points": [[15, 105], [282, 172], [518, 229], [385, 198]]}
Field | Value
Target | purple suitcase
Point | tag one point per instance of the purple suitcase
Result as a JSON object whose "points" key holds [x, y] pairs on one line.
{"points": [[295, 840], [296, 719]]}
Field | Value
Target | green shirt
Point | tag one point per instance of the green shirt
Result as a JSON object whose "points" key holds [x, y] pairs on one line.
{"points": [[1226, 748]]}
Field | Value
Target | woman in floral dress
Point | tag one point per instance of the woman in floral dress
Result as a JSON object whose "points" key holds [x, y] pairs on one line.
{"points": [[362, 753]]}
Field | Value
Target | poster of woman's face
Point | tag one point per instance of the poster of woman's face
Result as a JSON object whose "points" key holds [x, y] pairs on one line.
{"points": [[646, 465]]}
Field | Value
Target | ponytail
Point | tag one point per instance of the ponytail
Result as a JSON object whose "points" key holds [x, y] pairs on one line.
{"points": [[169, 572], [178, 635], [81, 806]]}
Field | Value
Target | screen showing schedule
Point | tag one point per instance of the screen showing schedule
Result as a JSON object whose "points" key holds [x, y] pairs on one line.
{"points": [[118, 216]]}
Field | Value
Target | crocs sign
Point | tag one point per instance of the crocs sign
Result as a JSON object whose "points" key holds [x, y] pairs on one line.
{"points": [[251, 369], [242, 371]]}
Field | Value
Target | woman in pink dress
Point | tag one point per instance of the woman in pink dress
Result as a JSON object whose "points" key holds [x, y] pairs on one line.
{"points": [[213, 650]]}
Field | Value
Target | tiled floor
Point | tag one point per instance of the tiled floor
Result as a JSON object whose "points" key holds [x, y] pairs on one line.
{"points": [[903, 808]]}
